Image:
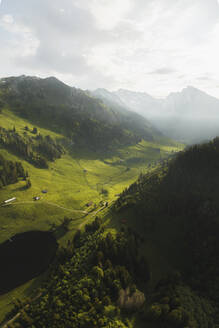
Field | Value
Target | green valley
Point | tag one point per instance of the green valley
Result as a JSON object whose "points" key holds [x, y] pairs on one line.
{"points": [[72, 181], [136, 220], [76, 181], [109, 164]]}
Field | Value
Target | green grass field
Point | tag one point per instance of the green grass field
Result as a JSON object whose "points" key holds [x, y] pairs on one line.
{"points": [[71, 181]]}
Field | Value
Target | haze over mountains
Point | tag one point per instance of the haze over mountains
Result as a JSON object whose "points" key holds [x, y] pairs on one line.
{"points": [[189, 116]]}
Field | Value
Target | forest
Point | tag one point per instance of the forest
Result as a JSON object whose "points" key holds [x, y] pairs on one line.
{"points": [[177, 184], [11, 172], [181, 194], [92, 283], [100, 280], [31, 146]]}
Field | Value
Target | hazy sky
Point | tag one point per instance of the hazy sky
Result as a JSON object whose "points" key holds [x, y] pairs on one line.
{"points": [[157, 46]]}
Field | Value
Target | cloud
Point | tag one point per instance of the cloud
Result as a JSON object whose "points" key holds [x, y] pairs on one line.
{"points": [[163, 71], [109, 14], [204, 78], [113, 44], [7, 20]]}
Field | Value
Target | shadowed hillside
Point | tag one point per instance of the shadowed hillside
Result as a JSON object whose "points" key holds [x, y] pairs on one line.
{"points": [[176, 208]]}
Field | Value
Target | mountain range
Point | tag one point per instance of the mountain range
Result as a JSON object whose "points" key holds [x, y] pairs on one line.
{"points": [[116, 118], [189, 116]]}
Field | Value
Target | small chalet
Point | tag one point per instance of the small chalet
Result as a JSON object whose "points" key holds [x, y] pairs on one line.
{"points": [[36, 198]]}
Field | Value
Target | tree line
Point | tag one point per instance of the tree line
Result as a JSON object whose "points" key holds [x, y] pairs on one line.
{"points": [[85, 282], [31, 146], [10, 172]]}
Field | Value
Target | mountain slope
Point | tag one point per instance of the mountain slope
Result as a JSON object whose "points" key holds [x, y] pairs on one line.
{"points": [[70, 111]]}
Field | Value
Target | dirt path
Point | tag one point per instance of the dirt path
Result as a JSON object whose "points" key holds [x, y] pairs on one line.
{"points": [[45, 202], [67, 209]]}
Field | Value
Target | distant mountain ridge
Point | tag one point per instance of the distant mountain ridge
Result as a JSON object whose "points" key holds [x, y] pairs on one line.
{"points": [[190, 97], [190, 115], [109, 96]]}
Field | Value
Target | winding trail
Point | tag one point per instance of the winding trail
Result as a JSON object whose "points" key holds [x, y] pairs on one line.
{"points": [[45, 202]]}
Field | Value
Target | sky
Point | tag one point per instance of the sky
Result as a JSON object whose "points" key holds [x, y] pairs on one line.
{"points": [[153, 46]]}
